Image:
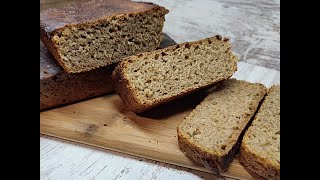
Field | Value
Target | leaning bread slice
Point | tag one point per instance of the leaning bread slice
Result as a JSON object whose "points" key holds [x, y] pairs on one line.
{"points": [[260, 148], [212, 133], [146, 80]]}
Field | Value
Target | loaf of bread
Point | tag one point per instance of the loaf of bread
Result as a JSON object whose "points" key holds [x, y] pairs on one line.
{"points": [[260, 148], [58, 87], [147, 80], [212, 133], [92, 34]]}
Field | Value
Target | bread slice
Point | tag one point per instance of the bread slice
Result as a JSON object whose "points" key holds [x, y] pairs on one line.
{"points": [[57, 87], [92, 34], [147, 80], [212, 133], [260, 148]]}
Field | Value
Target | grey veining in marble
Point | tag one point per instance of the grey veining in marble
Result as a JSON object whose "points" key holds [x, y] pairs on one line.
{"points": [[254, 29], [253, 26]]}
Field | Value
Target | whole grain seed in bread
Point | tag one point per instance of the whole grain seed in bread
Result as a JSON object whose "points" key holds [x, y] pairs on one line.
{"points": [[212, 133], [260, 148], [149, 79], [92, 34]]}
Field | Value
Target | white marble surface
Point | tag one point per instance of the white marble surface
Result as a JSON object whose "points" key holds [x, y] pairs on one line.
{"points": [[253, 26], [254, 29], [60, 159]]}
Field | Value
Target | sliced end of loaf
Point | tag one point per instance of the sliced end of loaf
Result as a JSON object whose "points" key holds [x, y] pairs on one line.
{"points": [[91, 45], [212, 133], [260, 148], [157, 77]]}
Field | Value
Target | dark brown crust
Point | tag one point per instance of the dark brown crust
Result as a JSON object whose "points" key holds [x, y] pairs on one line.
{"points": [[79, 13], [64, 88], [47, 42], [122, 86], [54, 78], [90, 13], [256, 163], [196, 154], [211, 161], [60, 88]]}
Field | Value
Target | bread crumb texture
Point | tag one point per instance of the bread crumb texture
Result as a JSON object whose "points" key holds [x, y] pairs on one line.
{"points": [[212, 133], [260, 149], [85, 45], [160, 75]]}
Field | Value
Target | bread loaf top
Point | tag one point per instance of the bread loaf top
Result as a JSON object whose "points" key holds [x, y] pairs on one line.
{"points": [[79, 12]]}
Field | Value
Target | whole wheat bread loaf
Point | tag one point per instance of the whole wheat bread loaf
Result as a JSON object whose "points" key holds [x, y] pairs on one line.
{"points": [[260, 148], [87, 35], [212, 133], [149, 79], [58, 87]]}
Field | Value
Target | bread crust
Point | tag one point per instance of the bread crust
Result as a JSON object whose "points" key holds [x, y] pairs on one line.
{"points": [[60, 88], [52, 48], [53, 78], [201, 157], [214, 162], [54, 21], [256, 163], [91, 12], [123, 88]]}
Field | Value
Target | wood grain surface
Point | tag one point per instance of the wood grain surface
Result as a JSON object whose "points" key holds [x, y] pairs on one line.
{"points": [[254, 30], [106, 122], [252, 26], [61, 159]]}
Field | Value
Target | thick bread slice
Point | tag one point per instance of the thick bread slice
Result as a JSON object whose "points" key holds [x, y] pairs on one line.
{"points": [[147, 80], [58, 87], [212, 133], [260, 148], [86, 35]]}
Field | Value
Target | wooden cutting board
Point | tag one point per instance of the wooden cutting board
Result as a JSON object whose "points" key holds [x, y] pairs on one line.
{"points": [[105, 122]]}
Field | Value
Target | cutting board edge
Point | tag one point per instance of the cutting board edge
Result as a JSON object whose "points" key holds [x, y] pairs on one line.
{"points": [[226, 174]]}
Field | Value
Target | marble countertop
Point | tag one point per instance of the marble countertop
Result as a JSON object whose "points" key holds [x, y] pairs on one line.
{"points": [[252, 26], [254, 30]]}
